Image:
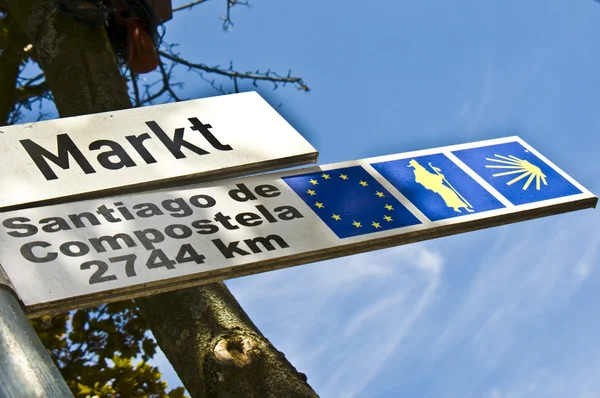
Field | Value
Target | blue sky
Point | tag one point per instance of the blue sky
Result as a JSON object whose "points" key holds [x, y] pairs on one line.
{"points": [[505, 312]]}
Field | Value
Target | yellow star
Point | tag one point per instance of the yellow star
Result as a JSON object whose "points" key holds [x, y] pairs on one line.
{"points": [[389, 207], [376, 225], [314, 182], [325, 176], [387, 218], [319, 205], [343, 176], [356, 224], [380, 194], [336, 217], [363, 183], [311, 192]]}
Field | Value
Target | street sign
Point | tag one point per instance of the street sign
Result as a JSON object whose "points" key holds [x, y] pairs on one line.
{"points": [[124, 151], [72, 255]]}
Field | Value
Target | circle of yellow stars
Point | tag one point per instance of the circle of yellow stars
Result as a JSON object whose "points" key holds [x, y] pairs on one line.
{"points": [[337, 217]]}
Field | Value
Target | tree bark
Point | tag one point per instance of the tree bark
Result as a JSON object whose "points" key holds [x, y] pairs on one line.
{"points": [[78, 62], [213, 345], [218, 346]]}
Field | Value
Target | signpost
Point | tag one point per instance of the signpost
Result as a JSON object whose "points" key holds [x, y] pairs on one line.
{"points": [[130, 150], [27, 369], [72, 255]]}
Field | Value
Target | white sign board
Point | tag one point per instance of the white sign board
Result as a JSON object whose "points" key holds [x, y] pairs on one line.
{"points": [[125, 151], [72, 255]]}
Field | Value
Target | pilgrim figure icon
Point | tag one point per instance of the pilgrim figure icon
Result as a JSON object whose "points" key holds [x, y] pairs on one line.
{"points": [[438, 183]]}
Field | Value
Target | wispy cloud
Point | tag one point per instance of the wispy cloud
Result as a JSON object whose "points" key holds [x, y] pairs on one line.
{"points": [[519, 280], [486, 94], [367, 303], [473, 109], [344, 322], [588, 258], [574, 380]]}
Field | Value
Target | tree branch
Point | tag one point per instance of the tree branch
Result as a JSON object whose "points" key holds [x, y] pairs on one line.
{"points": [[189, 6], [166, 76], [233, 74], [227, 22], [28, 93], [32, 80], [136, 90], [166, 88]]}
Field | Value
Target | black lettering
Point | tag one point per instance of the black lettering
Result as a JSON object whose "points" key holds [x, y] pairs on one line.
{"points": [[267, 191], [113, 242], [98, 276], [224, 220], [107, 213], [65, 146], [206, 133], [159, 259], [186, 232], [248, 219], [10, 223], [187, 253], [124, 211], [205, 227], [27, 252], [124, 160], [147, 210], [76, 219], [230, 250], [241, 190], [55, 224], [287, 213], [129, 263], [66, 249], [209, 201], [177, 207], [148, 237], [268, 216], [266, 243], [137, 142], [174, 145]]}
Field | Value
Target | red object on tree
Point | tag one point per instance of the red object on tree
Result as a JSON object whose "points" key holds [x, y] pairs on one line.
{"points": [[142, 55]]}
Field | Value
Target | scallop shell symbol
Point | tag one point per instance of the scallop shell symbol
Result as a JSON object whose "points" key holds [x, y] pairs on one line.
{"points": [[520, 167]]}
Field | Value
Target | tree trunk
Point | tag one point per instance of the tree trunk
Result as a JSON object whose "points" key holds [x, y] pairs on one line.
{"points": [[218, 346], [212, 344], [77, 60], [10, 62]]}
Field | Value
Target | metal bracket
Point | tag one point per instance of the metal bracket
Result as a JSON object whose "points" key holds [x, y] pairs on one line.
{"points": [[6, 284]]}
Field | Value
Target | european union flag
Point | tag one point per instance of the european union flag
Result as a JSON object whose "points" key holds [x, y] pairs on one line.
{"points": [[515, 172], [350, 201], [437, 186]]}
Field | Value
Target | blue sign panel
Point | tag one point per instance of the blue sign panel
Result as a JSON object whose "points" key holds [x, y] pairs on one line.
{"points": [[350, 201], [515, 172], [437, 186]]}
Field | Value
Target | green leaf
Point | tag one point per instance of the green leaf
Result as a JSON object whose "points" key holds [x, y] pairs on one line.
{"points": [[178, 392], [149, 347], [97, 355], [80, 319]]}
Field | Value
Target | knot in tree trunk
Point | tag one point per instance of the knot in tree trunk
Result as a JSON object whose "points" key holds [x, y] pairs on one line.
{"points": [[238, 350]]}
